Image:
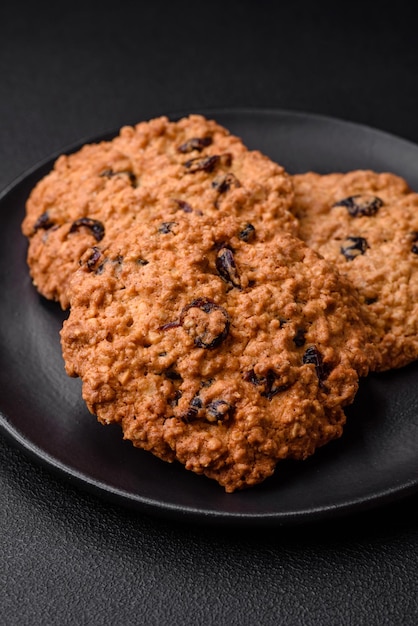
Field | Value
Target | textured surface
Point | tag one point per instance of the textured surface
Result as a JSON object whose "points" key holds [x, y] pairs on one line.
{"points": [[71, 71], [68, 558]]}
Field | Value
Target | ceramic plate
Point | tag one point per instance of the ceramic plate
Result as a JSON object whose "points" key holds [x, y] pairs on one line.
{"points": [[374, 462]]}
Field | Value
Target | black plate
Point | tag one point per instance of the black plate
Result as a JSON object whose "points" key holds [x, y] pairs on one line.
{"points": [[375, 461]]}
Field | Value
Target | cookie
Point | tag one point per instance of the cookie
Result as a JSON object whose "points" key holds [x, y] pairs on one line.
{"points": [[158, 167], [214, 347], [366, 223]]}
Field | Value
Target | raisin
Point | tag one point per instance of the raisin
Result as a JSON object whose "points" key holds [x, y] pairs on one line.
{"points": [[92, 260], [267, 383], [225, 264], [192, 412], [313, 356], [361, 204], [43, 222], [110, 173], [166, 227], [219, 410], [252, 378], [204, 164], [414, 247], [184, 206], [100, 269], [215, 411], [207, 383], [299, 339], [247, 234], [172, 374], [223, 183], [142, 262], [207, 339], [353, 247], [175, 400], [195, 143], [169, 325], [96, 227]]}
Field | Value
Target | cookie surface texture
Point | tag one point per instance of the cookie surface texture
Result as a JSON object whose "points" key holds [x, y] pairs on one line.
{"points": [[215, 348], [158, 167], [366, 223]]}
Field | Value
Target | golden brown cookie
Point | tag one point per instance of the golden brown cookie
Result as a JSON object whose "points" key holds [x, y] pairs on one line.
{"points": [[213, 347], [158, 167], [366, 223]]}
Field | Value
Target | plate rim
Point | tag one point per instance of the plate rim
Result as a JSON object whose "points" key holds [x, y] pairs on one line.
{"points": [[195, 515]]}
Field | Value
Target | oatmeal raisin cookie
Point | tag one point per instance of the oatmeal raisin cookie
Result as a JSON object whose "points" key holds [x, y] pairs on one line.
{"points": [[158, 167], [366, 223], [214, 347]]}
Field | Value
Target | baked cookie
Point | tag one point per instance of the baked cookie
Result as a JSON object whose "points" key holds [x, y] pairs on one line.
{"points": [[213, 347], [159, 167], [366, 223]]}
